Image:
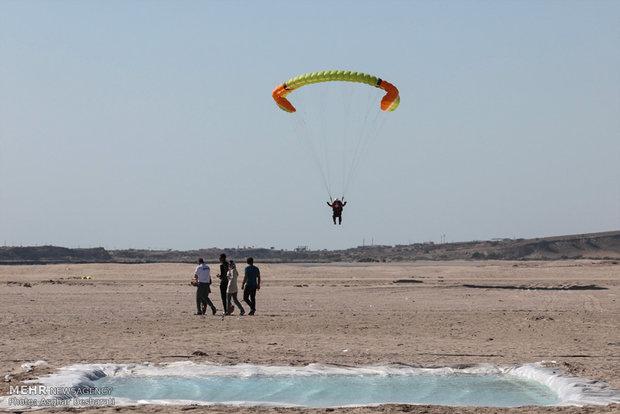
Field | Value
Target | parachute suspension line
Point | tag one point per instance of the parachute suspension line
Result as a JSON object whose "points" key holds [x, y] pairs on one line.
{"points": [[324, 138], [354, 140], [356, 155], [379, 120], [351, 158], [370, 121], [306, 137], [347, 133]]}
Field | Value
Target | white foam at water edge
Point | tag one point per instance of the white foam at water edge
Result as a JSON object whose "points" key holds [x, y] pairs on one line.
{"points": [[571, 389]]}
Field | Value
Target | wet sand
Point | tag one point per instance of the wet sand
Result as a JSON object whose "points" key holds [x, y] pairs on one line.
{"points": [[431, 314]]}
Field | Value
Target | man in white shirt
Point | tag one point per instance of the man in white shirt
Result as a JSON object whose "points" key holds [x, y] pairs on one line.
{"points": [[202, 276]]}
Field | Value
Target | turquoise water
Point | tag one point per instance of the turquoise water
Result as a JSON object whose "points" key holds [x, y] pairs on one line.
{"points": [[336, 390]]}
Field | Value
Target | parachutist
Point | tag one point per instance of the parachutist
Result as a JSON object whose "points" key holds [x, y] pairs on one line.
{"points": [[337, 206]]}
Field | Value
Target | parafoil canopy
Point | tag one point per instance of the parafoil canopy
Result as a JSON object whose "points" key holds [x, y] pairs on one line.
{"points": [[389, 102]]}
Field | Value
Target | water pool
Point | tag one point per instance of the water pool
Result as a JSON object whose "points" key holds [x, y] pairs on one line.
{"points": [[314, 385], [336, 390]]}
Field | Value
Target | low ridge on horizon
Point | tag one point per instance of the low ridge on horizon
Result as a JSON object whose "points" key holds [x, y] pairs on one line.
{"points": [[600, 245]]}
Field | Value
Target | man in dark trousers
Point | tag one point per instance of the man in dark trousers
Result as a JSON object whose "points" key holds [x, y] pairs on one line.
{"points": [[251, 283], [223, 280], [337, 206], [202, 276]]}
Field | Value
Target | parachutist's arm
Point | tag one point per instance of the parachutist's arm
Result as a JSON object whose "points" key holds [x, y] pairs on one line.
{"points": [[344, 204]]}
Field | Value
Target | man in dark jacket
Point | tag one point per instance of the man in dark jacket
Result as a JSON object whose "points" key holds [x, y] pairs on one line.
{"points": [[223, 279]]}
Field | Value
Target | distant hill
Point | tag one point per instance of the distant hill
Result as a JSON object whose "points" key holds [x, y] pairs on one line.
{"points": [[52, 254], [581, 246]]}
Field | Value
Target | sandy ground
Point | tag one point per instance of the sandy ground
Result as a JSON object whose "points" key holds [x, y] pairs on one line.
{"points": [[431, 314]]}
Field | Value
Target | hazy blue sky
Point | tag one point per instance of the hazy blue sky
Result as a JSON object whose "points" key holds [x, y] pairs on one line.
{"points": [[150, 124]]}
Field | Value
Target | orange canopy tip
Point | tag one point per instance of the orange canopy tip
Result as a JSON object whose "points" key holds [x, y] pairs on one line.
{"points": [[391, 99], [278, 95]]}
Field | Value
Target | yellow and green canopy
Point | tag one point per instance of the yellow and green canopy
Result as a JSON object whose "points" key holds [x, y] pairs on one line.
{"points": [[389, 102]]}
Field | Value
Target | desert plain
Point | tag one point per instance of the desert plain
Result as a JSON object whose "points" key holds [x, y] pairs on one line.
{"points": [[420, 313]]}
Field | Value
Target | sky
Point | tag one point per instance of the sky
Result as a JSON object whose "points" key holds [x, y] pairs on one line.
{"points": [[150, 124]]}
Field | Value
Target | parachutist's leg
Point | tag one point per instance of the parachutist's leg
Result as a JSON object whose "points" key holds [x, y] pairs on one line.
{"points": [[334, 217], [339, 219]]}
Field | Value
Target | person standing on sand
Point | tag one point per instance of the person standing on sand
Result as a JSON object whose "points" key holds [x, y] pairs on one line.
{"points": [[251, 283], [202, 276], [223, 280], [232, 276]]}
